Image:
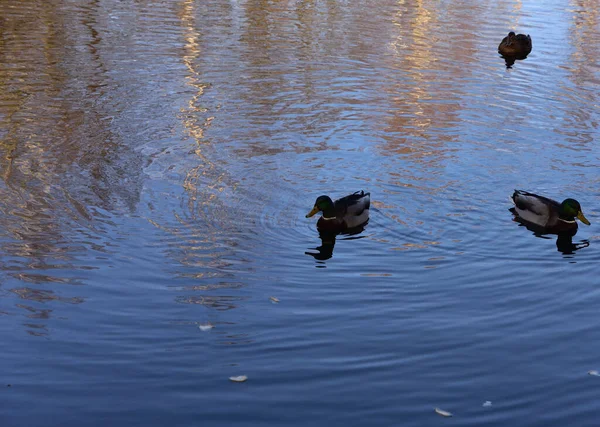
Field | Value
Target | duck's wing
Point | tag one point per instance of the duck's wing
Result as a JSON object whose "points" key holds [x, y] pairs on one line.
{"points": [[533, 208], [353, 205], [531, 199]]}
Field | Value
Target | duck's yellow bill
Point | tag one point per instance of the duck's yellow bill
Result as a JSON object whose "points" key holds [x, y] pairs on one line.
{"points": [[316, 209], [582, 218]]}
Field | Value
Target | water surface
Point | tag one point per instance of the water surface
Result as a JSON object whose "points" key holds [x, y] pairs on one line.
{"points": [[156, 163]]}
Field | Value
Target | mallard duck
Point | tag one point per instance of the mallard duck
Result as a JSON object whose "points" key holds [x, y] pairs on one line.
{"points": [[348, 212], [515, 45], [548, 214]]}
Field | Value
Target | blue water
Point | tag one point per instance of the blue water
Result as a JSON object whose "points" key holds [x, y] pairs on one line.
{"points": [[157, 162]]}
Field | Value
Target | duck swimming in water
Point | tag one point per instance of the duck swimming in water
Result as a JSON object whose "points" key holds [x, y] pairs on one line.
{"points": [[547, 214], [343, 214], [515, 45]]}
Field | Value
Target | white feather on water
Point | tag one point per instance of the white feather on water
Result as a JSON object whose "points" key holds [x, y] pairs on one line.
{"points": [[442, 412]]}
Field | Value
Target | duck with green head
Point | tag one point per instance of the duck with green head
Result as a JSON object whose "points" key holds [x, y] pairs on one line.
{"points": [[343, 214], [547, 214], [515, 45]]}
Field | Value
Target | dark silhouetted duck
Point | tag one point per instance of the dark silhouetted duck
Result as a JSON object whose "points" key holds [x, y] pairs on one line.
{"points": [[515, 45]]}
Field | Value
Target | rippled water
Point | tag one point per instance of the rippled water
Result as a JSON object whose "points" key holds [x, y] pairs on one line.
{"points": [[157, 160]]}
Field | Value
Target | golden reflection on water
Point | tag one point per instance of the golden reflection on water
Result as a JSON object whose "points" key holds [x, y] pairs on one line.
{"points": [[299, 77], [428, 109], [581, 98], [420, 134], [50, 110], [515, 14], [408, 130], [200, 243], [60, 157], [195, 121]]}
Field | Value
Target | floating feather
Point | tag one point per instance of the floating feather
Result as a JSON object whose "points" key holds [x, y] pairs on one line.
{"points": [[442, 412]]}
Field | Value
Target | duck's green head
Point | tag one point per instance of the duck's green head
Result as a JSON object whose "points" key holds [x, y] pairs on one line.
{"points": [[322, 204], [571, 209]]}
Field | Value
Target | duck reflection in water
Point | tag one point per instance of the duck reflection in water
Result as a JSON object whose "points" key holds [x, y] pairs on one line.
{"points": [[545, 216], [514, 47], [325, 251], [510, 60], [347, 215], [564, 240]]}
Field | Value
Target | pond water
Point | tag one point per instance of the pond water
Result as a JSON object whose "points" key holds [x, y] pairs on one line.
{"points": [[157, 160]]}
